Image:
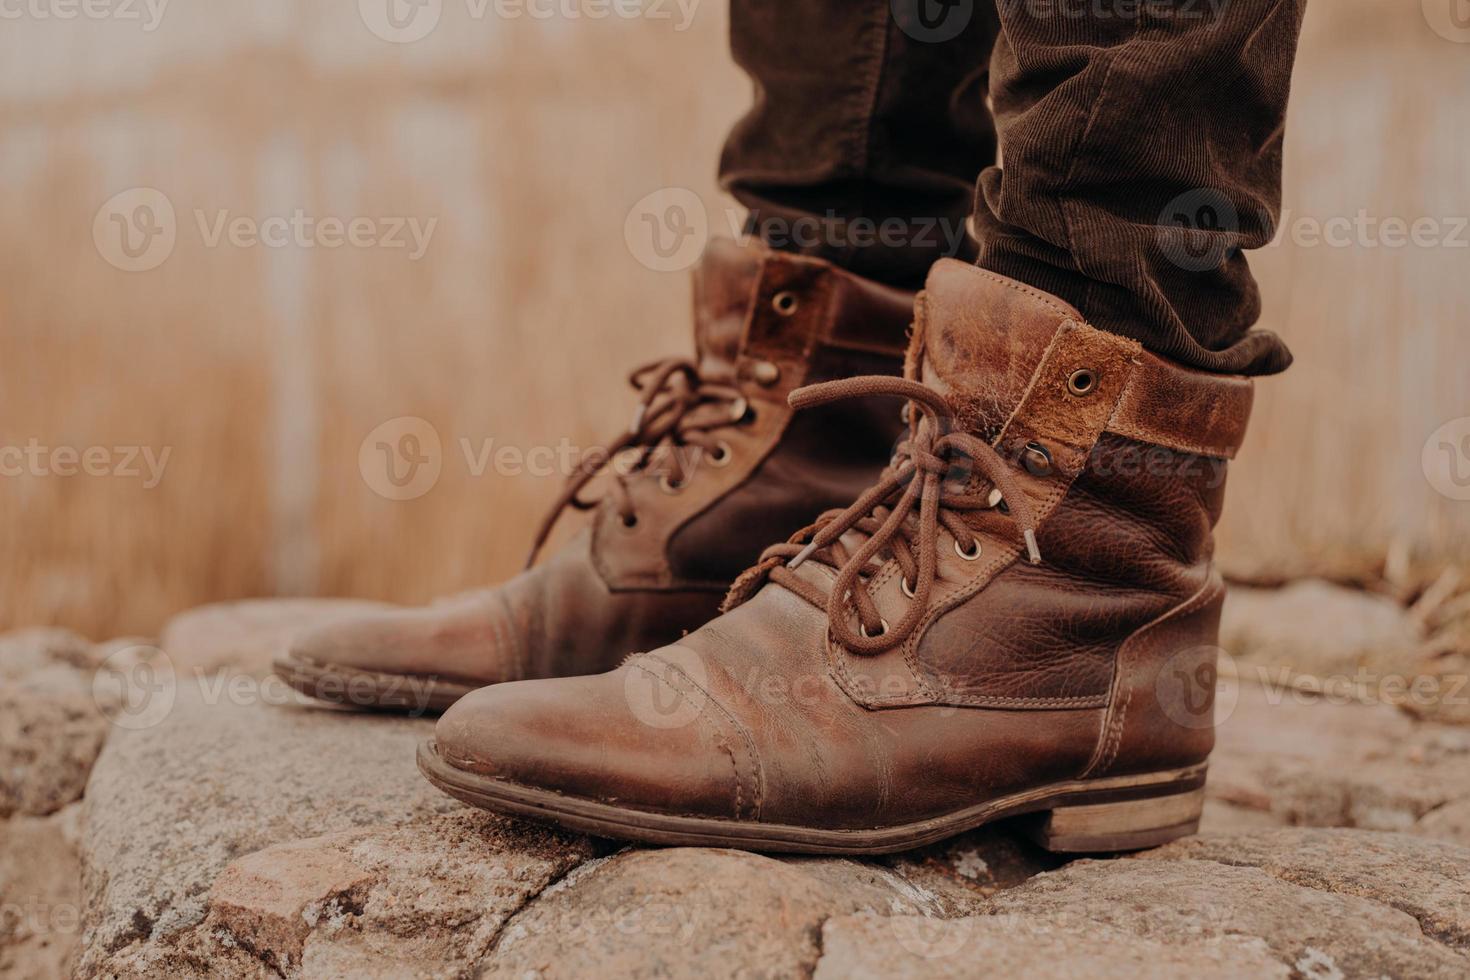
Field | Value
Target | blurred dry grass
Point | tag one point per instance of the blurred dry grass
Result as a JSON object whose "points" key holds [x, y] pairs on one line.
{"points": [[262, 369]]}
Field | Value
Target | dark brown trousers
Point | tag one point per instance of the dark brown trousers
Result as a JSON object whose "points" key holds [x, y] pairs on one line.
{"points": [[1141, 145]]}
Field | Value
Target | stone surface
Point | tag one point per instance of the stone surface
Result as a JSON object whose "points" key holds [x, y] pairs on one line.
{"points": [[248, 635], [1428, 880], [269, 901], [696, 912], [45, 658], [979, 863], [1450, 822], [1303, 893], [229, 830], [423, 899], [1222, 816], [47, 747], [224, 773], [1317, 629], [868, 948], [51, 726], [1301, 759], [40, 901]]}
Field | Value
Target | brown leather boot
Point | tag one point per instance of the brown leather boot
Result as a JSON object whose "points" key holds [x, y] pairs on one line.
{"points": [[1019, 617], [713, 466]]}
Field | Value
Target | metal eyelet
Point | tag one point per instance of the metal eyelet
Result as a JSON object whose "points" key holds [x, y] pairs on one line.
{"points": [[740, 409], [908, 590], [722, 456], [765, 373], [968, 555], [882, 629], [785, 302], [1037, 459], [1083, 382], [669, 486]]}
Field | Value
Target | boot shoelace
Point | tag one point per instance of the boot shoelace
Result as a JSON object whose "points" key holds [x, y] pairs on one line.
{"points": [[885, 516], [677, 408]]}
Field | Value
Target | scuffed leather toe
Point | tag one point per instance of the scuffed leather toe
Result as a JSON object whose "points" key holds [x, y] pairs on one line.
{"points": [[640, 736], [455, 639]]}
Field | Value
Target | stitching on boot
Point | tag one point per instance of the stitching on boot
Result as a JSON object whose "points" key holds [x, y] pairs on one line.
{"points": [[502, 626], [723, 742], [986, 573], [739, 728], [1139, 433], [1106, 752], [1048, 301], [751, 463], [1046, 503]]}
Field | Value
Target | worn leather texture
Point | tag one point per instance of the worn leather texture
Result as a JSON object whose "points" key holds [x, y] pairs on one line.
{"points": [[763, 321], [1020, 675], [800, 320]]}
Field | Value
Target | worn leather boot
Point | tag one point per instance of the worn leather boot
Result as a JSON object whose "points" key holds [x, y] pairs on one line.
{"points": [[713, 466], [1018, 618]]}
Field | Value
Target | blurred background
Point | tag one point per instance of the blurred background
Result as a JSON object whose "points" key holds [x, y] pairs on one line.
{"points": [[242, 244]]}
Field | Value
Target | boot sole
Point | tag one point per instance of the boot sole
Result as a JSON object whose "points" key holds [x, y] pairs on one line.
{"points": [[371, 690], [1083, 816]]}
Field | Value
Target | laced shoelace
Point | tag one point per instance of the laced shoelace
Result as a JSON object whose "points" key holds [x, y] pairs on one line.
{"points": [[678, 408], [920, 477]]}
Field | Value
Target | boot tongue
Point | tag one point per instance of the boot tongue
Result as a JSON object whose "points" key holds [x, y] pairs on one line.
{"points": [[978, 340], [724, 281]]}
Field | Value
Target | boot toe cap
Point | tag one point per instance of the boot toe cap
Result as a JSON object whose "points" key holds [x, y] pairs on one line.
{"points": [[452, 640], [645, 736]]}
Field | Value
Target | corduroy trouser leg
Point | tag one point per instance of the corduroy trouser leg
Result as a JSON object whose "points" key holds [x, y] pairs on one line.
{"points": [[1139, 146]]}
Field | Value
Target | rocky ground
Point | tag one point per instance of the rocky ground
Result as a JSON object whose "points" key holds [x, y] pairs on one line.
{"points": [[219, 827]]}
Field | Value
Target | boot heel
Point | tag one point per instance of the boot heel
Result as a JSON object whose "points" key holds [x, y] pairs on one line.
{"points": [[1131, 825]]}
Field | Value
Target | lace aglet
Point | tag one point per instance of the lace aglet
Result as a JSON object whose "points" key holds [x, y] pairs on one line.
{"points": [[1033, 553], [802, 556]]}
